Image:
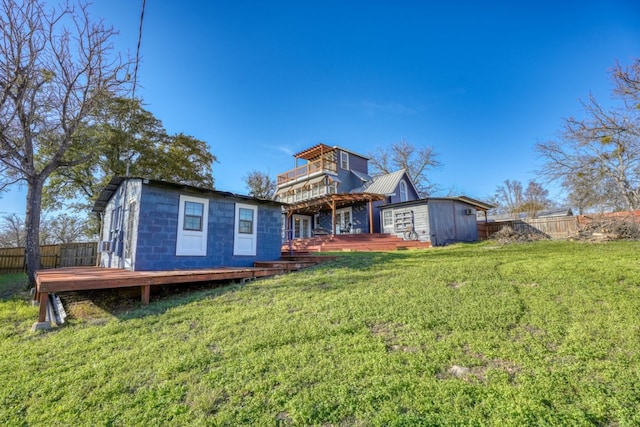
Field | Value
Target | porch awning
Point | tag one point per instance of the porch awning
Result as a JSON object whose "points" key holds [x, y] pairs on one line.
{"points": [[317, 204]]}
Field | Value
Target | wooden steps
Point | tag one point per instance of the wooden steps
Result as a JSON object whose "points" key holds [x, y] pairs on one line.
{"points": [[294, 262], [351, 242]]}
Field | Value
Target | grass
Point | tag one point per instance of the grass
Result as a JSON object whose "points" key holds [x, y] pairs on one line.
{"points": [[532, 334]]}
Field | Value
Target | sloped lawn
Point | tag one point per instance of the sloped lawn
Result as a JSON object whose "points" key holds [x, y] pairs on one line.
{"points": [[532, 334]]}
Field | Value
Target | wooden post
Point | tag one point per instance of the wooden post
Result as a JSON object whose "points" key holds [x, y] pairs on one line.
{"points": [[333, 214], [370, 217], [42, 312], [146, 293]]}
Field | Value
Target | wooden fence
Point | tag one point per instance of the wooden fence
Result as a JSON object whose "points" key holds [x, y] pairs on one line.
{"points": [[554, 228], [12, 260]]}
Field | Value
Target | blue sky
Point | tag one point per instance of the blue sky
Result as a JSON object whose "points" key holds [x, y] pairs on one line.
{"points": [[481, 82]]}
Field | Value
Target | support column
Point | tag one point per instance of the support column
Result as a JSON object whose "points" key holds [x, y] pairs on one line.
{"points": [[333, 215], [370, 217], [42, 324], [146, 293]]}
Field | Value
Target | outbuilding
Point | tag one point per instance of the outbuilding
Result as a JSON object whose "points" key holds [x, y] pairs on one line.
{"points": [[150, 225], [439, 220]]}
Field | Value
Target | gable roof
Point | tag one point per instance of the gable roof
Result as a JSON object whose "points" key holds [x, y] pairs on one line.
{"points": [[385, 184], [108, 192]]}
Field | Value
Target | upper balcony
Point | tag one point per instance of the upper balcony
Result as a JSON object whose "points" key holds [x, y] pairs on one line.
{"points": [[306, 170]]}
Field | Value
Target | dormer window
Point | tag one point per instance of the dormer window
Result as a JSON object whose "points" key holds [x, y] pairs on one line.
{"points": [[344, 160], [403, 191]]}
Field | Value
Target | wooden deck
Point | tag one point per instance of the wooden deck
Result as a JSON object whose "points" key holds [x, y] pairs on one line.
{"points": [[89, 278]]}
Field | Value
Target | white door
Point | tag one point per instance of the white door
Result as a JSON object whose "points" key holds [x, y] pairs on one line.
{"points": [[193, 222], [245, 236], [301, 226], [343, 219]]}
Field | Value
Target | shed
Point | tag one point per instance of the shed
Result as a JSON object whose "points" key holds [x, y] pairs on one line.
{"points": [[150, 225], [440, 221]]}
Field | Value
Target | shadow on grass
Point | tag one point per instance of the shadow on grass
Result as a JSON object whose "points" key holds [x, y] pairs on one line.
{"points": [[14, 286], [100, 305]]}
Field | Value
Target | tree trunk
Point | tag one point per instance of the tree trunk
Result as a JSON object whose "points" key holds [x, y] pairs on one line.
{"points": [[32, 225]]}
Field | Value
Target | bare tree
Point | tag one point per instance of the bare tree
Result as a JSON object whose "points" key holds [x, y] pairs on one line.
{"points": [[418, 162], [12, 233], [55, 66], [260, 185], [64, 228], [511, 198], [597, 158]]}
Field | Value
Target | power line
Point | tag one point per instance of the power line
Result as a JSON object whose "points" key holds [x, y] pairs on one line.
{"points": [[135, 70]]}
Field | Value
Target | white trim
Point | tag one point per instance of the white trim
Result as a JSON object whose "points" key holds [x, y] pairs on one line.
{"points": [[340, 213], [403, 190], [306, 232], [192, 242], [344, 160], [245, 243]]}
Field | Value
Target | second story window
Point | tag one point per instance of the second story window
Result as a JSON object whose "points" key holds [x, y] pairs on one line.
{"points": [[403, 191], [344, 160]]}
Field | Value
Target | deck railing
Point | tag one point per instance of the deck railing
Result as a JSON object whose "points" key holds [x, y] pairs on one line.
{"points": [[310, 168]]}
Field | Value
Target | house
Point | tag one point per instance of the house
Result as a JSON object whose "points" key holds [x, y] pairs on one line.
{"points": [[439, 220], [150, 225], [330, 191]]}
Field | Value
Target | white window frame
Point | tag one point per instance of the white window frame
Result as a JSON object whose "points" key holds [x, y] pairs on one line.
{"points": [[344, 160], [404, 191], [387, 218], [198, 238]]}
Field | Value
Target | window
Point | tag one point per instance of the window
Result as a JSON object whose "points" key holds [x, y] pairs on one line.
{"points": [[344, 160], [387, 218], [403, 191], [114, 228], [193, 213], [131, 220], [245, 222]]}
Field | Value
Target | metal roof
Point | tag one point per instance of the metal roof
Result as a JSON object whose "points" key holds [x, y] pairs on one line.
{"points": [[385, 184], [464, 199], [106, 194]]}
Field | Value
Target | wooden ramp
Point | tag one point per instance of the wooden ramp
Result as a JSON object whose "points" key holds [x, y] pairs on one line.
{"points": [[90, 278]]}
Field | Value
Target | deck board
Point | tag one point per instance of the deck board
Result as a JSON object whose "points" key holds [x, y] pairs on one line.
{"points": [[89, 278]]}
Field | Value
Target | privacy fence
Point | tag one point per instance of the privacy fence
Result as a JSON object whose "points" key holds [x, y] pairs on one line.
{"points": [[556, 227], [12, 260]]}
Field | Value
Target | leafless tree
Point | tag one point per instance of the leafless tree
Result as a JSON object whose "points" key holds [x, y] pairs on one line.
{"points": [[510, 197], [597, 157], [260, 185], [55, 65], [12, 231], [64, 228], [418, 162]]}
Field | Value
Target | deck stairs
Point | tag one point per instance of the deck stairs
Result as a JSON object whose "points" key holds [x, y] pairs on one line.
{"points": [[351, 242], [294, 262]]}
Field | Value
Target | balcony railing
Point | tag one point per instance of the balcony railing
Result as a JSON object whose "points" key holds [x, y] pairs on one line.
{"points": [[309, 169]]}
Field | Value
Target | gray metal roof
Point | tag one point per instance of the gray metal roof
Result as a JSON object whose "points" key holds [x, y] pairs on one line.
{"points": [[464, 199], [106, 194], [385, 184], [362, 176]]}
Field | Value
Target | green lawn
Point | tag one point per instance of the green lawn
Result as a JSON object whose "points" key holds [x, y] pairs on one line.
{"points": [[532, 334]]}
